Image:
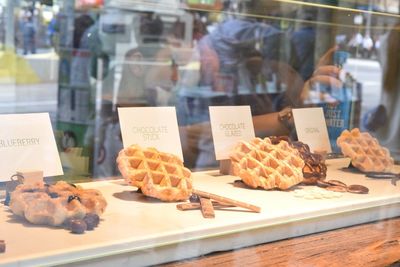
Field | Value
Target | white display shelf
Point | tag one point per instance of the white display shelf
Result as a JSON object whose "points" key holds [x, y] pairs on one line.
{"points": [[136, 230]]}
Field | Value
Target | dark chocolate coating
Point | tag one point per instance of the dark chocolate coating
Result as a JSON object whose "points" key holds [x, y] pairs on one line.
{"points": [[357, 189]]}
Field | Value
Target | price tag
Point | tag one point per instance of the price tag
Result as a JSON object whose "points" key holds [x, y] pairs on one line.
{"points": [[27, 143], [229, 125], [151, 127], [311, 128]]}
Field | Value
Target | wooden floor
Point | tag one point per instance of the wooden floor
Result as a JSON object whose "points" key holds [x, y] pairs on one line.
{"points": [[372, 244]]}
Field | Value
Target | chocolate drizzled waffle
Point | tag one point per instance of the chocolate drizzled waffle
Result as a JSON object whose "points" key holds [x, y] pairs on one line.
{"points": [[314, 167]]}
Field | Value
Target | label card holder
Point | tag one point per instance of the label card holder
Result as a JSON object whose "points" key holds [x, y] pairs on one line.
{"points": [[151, 127], [28, 143], [229, 125], [311, 129]]}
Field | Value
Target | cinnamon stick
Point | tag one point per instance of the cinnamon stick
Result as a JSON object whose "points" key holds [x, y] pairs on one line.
{"points": [[227, 200]]}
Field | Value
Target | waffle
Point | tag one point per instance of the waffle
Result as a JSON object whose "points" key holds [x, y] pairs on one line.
{"points": [[314, 166], [365, 152], [157, 174], [259, 163], [55, 204]]}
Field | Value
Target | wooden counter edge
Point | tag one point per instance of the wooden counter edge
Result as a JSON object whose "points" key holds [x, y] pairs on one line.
{"points": [[370, 244]]}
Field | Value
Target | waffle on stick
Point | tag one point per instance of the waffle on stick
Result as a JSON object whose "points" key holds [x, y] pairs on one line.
{"points": [[260, 163], [158, 174], [365, 152]]}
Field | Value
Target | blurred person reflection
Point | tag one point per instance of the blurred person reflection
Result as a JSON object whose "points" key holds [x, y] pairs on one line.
{"points": [[199, 27], [28, 34], [355, 43], [146, 79], [367, 45], [388, 121], [52, 31], [196, 139], [303, 47], [240, 49], [81, 24], [225, 48]]}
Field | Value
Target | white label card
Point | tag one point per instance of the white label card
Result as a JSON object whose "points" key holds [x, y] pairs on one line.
{"points": [[27, 143], [229, 125], [151, 127], [311, 128]]}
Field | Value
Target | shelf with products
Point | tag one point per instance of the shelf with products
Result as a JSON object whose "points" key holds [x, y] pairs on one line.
{"points": [[142, 231]]}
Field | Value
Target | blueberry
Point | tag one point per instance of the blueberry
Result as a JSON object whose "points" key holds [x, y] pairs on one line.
{"points": [[194, 198], [77, 226], [72, 197], [53, 195], [91, 220]]}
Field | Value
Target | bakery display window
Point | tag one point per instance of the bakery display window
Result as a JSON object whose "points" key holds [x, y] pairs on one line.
{"points": [[144, 99]]}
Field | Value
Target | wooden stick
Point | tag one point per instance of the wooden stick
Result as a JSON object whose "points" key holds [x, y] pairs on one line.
{"points": [[195, 206], [207, 208], [188, 206], [227, 200]]}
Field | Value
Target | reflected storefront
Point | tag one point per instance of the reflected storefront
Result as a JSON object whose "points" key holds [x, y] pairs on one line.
{"points": [[83, 61]]}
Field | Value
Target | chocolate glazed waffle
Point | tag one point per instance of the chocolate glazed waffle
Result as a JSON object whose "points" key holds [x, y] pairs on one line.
{"points": [[314, 167], [365, 152], [260, 163], [157, 174]]}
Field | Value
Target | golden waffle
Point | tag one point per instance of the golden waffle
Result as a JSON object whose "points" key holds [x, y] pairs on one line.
{"points": [[157, 174], [365, 152], [259, 163]]}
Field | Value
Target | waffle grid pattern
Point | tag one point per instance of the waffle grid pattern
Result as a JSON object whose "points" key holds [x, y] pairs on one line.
{"points": [[157, 174], [259, 163], [365, 152]]}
